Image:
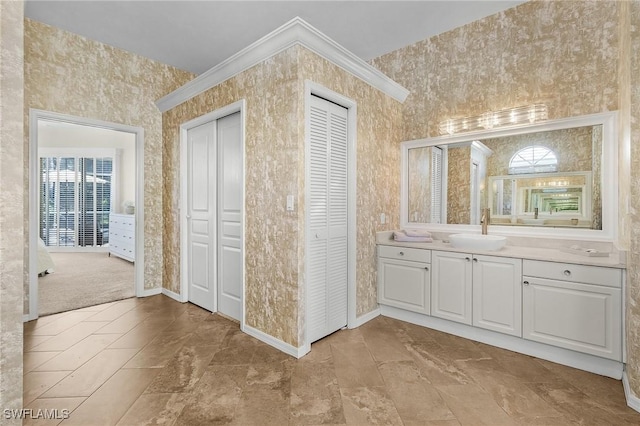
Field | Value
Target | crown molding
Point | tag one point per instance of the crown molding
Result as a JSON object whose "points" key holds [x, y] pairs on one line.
{"points": [[295, 32]]}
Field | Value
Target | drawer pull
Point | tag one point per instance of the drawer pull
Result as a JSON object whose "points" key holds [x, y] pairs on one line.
{"points": [[475, 259], [467, 259], [426, 268], [401, 253], [526, 283], [567, 272]]}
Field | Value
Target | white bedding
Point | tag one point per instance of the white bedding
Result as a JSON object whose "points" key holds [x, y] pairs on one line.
{"points": [[44, 258]]}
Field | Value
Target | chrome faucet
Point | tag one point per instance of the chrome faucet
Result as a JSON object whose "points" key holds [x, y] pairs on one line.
{"points": [[486, 218]]}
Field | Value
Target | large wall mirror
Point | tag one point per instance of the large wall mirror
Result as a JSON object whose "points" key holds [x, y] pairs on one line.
{"points": [[555, 178]]}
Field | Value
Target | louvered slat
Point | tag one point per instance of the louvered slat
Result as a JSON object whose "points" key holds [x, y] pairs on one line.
{"points": [[327, 277]]}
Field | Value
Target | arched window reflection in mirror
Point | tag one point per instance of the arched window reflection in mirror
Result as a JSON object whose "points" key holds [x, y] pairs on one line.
{"points": [[533, 159]]}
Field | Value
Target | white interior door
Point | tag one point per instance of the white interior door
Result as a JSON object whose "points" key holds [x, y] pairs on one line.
{"points": [[230, 216], [327, 266], [201, 214]]}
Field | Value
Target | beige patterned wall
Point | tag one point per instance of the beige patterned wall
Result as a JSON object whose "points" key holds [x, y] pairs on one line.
{"points": [[633, 277], [561, 53], [419, 185], [459, 185], [274, 95], [70, 74], [272, 144], [571, 146], [378, 165], [566, 54], [11, 206]]}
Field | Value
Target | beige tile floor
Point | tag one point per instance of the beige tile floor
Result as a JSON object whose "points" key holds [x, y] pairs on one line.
{"points": [[157, 361]]}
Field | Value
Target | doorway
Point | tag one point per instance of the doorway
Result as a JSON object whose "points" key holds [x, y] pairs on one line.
{"points": [[83, 173], [330, 213], [212, 224]]}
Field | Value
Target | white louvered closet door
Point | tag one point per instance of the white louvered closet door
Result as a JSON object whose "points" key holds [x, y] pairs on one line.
{"points": [[327, 276]]}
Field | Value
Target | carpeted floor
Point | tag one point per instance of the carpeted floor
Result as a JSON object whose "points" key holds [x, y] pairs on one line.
{"points": [[84, 279]]}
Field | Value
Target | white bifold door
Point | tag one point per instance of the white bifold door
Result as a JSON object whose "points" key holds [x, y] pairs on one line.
{"points": [[327, 265], [214, 216]]}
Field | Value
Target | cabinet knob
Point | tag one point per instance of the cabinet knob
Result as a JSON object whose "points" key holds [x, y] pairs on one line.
{"points": [[526, 283], [426, 268], [475, 260], [567, 273], [401, 253], [467, 259]]}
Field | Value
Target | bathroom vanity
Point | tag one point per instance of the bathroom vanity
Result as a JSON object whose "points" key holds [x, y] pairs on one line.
{"points": [[540, 301]]}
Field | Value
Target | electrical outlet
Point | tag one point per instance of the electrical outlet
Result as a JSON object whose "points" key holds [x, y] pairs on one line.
{"points": [[383, 218], [290, 202]]}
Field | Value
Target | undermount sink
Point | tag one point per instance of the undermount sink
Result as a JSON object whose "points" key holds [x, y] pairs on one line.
{"points": [[477, 242], [533, 221]]}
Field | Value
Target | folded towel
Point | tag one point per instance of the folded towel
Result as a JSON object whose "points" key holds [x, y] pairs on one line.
{"points": [[417, 233], [401, 236]]}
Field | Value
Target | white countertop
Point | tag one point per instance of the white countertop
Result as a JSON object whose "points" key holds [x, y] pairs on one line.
{"points": [[522, 252]]}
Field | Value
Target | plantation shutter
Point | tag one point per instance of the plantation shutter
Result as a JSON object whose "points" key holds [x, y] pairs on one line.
{"points": [[436, 185], [75, 199]]}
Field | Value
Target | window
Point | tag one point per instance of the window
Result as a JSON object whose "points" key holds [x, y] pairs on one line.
{"points": [[75, 199], [533, 159]]}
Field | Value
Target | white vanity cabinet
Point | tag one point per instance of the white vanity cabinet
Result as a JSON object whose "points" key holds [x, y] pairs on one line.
{"points": [[404, 278], [576, 307], [497, 294], [451, 286], [483, 291]]}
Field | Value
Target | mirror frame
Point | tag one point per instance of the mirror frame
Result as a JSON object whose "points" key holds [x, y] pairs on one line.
{"points": [[609, 178]]}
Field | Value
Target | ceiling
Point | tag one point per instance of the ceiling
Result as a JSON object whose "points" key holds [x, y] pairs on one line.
{"points": [[197, 35]]}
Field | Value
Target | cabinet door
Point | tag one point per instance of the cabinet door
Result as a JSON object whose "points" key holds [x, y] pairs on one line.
{"points": [[451, 286], [404, 284], [497, 294], [582, 317]]}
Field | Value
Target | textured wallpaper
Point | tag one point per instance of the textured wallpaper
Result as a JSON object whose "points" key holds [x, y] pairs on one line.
{"points": [[272, 145], [570, 55], [572, 148], [459, 185], [633, 277], [70, 74], [274, 95], [561, 53], [11, 206], [378, 165], [419, 185]]}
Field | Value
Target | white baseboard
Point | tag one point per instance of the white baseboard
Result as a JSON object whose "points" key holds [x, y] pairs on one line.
{"points": [[276, 343], [632, 401], [173, 295], [363, 319], [586, 362], [150, 292]]}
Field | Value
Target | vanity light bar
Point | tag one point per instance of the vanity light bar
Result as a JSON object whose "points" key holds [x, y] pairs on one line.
{"points": [[488, 120]]}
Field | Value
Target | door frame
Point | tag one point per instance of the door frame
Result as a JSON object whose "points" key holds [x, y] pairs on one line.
{"points": [[36, 115], [239, 106], [314, 89]]}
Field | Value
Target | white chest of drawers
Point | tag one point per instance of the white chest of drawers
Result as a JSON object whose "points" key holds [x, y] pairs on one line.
{"points": [[122, 236]]}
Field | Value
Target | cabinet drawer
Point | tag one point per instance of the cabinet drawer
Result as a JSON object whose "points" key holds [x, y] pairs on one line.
{"points": [[610, 277], [404, 253]]}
